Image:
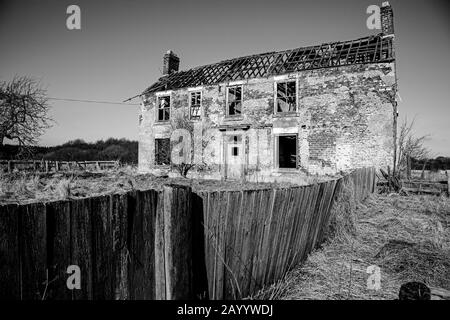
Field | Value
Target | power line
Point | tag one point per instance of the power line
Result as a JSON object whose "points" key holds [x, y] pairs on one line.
{"points": [[93, 101]]}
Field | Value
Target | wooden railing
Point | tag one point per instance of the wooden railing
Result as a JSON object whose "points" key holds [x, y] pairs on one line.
{"points": [[426, 187]]}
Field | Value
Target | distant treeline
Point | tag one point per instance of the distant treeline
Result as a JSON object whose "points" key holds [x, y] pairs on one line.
{"points": [[439, 163], [124, 150]]}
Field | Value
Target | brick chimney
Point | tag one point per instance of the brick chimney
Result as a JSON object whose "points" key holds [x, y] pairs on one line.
{"points": [[387, 19], [171, 63]]}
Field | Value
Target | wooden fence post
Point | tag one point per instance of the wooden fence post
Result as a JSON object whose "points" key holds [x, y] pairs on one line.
{"points": [[448, 182], [173, 265], [9, 166]]}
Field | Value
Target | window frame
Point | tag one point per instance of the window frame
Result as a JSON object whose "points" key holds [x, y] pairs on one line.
{"points": [[156, 151], [190, 104], [227, 111], [275, 87], [158, 104], [277, 151]]}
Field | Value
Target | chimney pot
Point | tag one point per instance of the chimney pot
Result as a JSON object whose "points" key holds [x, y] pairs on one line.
{"points": [[171, 63], [387, 19]]}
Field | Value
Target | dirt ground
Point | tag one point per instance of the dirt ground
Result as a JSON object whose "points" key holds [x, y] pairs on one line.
{"points": [[408, 238]]}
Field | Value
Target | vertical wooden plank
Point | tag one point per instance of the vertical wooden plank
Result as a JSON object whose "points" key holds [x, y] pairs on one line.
{"points": [[135, 245], [270, 232], [81, 240], [220, 247], [323, 221], [277, 225], [178, 242], [255, 230], [200, 278], [59, 249], [103, 276], [212, 243], [229, 281], [448, 182], [119, 217], [329, 201], [294, 218], [141, 245], [299, 245], [286, 227], [160, 273], [33, 250], [321, 211], [149, 213], [248, 216], [209, 251], [9, 253], [316, 217], [312, 195], [265, 238], [232, 286], [292, 229], [262, 213]]}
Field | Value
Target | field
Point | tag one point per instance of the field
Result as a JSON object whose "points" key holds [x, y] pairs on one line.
{"points": [[25, 187], [407, 237]]}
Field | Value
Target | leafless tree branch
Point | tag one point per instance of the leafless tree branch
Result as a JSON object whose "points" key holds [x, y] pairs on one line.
{"points": [[24, 111]]}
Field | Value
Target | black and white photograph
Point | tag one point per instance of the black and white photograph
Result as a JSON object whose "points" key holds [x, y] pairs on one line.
{"points": [[237, 158]]}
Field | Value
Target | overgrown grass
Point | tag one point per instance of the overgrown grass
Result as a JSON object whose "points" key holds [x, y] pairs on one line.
{"points": [[407, 237], [23, 187]]}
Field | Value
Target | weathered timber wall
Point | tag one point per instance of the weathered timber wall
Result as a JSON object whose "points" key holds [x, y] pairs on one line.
{"points": [[124, 244], [172, 244], [254, 237]]}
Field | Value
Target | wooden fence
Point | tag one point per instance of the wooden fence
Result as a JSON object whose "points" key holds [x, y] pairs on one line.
{"points": [[254, 237], [48, 166], [426, 187], [170, 244]]}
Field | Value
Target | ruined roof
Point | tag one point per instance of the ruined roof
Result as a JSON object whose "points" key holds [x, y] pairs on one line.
{"points": [[372, 49]]}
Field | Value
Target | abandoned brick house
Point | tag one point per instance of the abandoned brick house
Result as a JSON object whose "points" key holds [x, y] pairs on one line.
{"points": [[280, 115]]}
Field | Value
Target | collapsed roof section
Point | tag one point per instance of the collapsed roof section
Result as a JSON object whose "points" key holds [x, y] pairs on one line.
{"points": [[372, 49]]}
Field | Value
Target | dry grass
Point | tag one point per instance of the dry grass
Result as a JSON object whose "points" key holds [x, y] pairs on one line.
{"points": [[407, 237], [23, 187]]}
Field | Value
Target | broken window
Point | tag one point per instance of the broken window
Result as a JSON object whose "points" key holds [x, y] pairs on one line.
{"points": [[234, 101], [196, 98], [164, 108], [162, 151], [287, 151], [286, 97]]}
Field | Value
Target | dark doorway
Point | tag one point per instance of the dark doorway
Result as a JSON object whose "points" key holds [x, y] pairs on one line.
{"points": [[287, 151]]}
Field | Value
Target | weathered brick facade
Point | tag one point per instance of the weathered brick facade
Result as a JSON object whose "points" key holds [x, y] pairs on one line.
{"points": [[344, 120], [344, 115]]}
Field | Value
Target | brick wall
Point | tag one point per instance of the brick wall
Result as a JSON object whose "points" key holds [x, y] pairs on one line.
{"points": [[344, 121]]}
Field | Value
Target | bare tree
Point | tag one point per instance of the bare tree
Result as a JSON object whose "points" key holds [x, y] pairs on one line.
{"points": [[23, 111], [409, 146], [181, 122]]}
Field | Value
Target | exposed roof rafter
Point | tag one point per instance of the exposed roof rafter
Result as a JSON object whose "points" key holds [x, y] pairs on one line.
{"points": [[372, 49]]}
